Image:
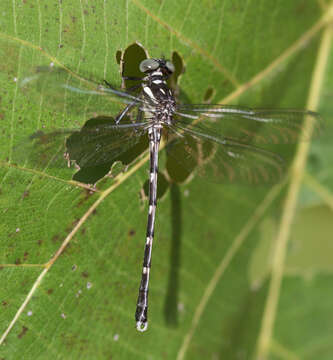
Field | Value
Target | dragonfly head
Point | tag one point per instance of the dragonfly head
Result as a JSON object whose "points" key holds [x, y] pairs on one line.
{"points": [[148, 66]]}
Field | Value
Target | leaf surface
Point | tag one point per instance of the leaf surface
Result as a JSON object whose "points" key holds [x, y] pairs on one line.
{"points": [[71, 255]]}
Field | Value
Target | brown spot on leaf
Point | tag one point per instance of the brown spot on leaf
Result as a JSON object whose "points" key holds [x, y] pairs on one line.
{"points": [[55, 238], [131, 232], [85, 274], [86, 196], [50, 291], [75, 222], [23, 332]]}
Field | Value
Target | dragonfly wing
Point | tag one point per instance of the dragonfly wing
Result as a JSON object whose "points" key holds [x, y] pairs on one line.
{"points": [[224, 159], [99, 142], [261, 126], [58, 88], [63, 90]]}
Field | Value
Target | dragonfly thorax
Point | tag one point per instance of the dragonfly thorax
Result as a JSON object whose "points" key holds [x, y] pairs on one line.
{"points": [[161, 102], [156, 92]]}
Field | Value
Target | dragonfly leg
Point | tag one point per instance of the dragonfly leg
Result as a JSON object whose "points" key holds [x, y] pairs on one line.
{"points": [[133, 88], [133, 78], [124, 112]]}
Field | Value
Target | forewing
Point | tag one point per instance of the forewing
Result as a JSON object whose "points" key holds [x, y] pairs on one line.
{"points": [[246, 125], [64, 90], [57, 88]]}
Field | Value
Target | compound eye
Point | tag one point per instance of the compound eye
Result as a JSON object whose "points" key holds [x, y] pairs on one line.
{"points": [[170, 66], [148, 65]]}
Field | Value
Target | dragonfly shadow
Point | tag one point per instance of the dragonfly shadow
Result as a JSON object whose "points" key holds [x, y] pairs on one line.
{"points": [[178, 167], [162, 186], [172, 295], [89, 173]]}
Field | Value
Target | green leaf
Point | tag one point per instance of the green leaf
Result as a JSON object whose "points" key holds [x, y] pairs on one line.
{"points": [[238, 272]]}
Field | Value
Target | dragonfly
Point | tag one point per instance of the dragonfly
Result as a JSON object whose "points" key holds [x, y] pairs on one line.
{"points": [[221, 141]]}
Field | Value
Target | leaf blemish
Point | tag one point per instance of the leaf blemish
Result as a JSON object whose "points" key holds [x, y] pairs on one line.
{"points": [[23, 332], [74, 267], [55, 238], [131, 232], [87, 193], [180, 307], [85, 274]]}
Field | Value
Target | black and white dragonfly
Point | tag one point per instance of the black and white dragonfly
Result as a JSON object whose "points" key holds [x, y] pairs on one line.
{"points": [[220, 140]]}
